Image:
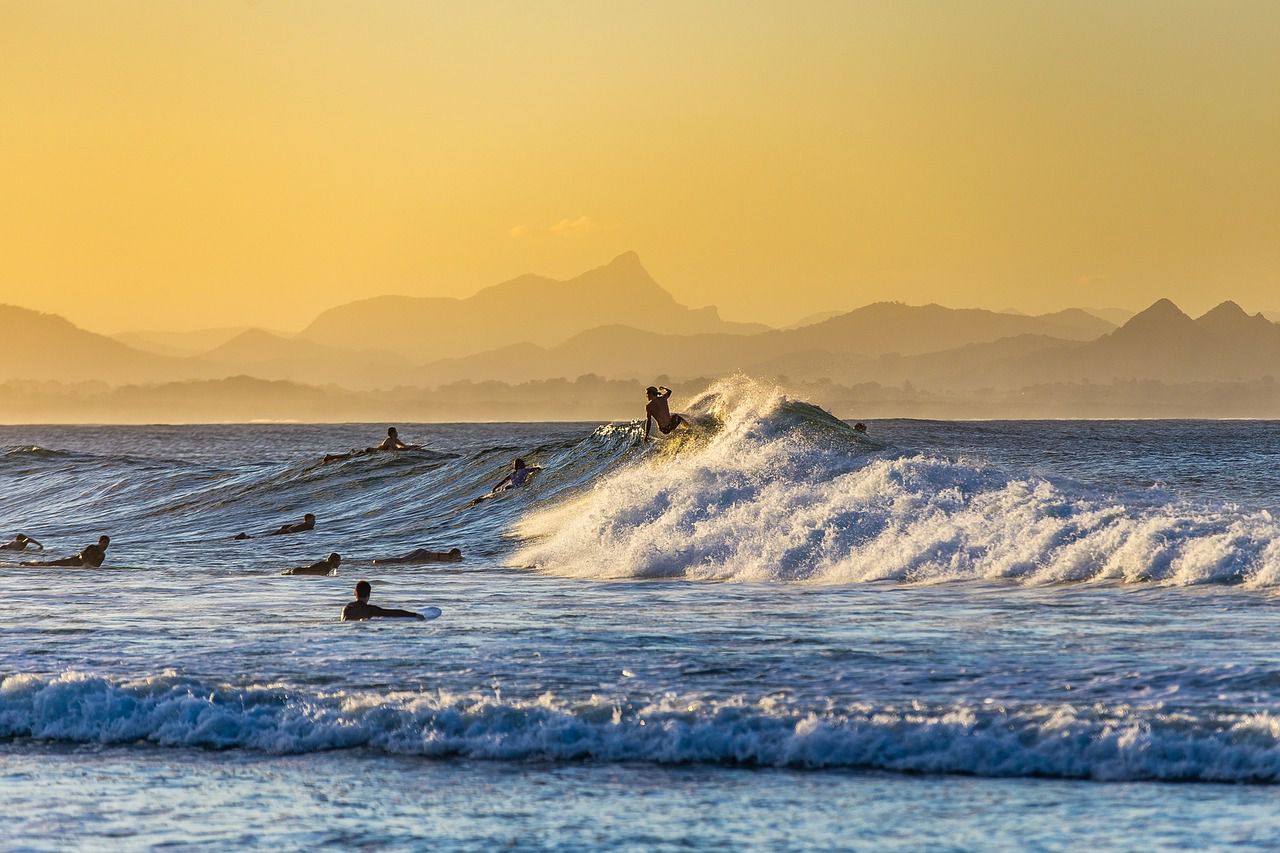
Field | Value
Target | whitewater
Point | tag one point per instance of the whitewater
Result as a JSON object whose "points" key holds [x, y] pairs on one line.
{"points": [[770, 630]]}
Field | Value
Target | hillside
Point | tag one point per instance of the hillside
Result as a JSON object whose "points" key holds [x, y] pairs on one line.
{"points": [[528, 309], [48, 347]]}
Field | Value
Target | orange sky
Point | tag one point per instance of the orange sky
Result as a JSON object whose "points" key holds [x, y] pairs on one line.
{"points": [[196, 164]]}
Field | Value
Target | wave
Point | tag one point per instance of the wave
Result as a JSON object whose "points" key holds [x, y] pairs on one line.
{"points": [[771, 489], [1120, 742]]}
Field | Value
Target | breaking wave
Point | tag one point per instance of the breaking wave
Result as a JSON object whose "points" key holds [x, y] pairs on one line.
{"points": [[766, 488], [1120, 742]]}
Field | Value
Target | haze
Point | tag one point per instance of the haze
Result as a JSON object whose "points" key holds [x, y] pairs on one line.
{"points": [[189, 165]]}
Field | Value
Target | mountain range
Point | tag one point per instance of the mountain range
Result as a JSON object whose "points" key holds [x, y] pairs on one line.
{"points": [[617, 322]]}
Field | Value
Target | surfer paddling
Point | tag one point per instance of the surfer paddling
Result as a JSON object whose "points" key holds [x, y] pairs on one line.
{"points": [[308, 523], [327, 566], [90, 558], [20, 543], [658, 411], [423, 555], [361, 609], [390, 444]]}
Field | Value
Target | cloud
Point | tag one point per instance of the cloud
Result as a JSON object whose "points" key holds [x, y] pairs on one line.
{"points": [[518, 231], [580, 227]]}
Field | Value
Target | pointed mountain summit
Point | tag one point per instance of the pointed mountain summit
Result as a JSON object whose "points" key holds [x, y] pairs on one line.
{"points": [[530, 308]]}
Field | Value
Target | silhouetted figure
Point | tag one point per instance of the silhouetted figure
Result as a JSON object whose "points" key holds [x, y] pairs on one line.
{"points": [[391, 443], [90, 558], [519, 476], [308, 523], [327, 566], [361, 609], [20, 543], [859, 427], [424, 555], [658, 411]]}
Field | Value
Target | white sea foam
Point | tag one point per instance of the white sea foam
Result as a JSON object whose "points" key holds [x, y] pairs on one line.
{"points": [[1096, 742], [781, 491]]}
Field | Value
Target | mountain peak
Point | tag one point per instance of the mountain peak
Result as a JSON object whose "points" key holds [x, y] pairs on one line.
{"points": [[1224, 311], [626, 259], [1162, 311]]}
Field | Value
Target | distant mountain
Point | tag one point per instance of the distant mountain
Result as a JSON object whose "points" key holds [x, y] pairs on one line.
{"points": [[46, 346], [528, 309], [1115, 316], [1163, 343], [194, 342], [834, 348], [888, 327], [269, 356]]}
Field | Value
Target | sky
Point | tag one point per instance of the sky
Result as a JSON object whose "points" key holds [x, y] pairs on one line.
{"points": [[197, 164]]}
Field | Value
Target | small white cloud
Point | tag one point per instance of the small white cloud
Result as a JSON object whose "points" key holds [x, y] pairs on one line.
{"points": [[518, 232], [579, 227]]}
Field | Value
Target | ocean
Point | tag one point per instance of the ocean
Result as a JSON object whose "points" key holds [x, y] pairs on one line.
{"points": [[770, 632]]}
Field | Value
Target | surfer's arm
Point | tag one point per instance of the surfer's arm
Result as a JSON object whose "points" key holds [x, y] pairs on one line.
{"points": [[663, 392], [648, 424], [505, 481], [31, 541]]}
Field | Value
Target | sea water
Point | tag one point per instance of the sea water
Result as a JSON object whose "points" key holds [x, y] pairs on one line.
{"points": [[770, 632]]}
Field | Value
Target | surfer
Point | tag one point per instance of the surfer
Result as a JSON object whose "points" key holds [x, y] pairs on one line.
{"points": [[859, 427], [361, 609], [20, 543], [327, 566], [391, 443], [91, 557], [657, 410], [308, 523], [519, 476], [424, 555]]}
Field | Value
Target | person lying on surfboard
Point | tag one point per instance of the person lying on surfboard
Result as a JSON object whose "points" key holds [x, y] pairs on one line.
{"points": [[91, 557], [327, 566], [308, 523], [361, 609], [424, 555], [658, 411]]}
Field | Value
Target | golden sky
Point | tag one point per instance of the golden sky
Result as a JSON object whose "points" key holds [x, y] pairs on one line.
{"points": [[196, 163]]}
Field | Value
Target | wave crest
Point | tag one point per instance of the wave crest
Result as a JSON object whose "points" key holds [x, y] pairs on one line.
{"points": [[1092, 742], [782, 491]]}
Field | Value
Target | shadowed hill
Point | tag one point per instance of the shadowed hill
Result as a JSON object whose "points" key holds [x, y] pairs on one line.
{"points": [[49, 347], [1163, 343], [831, 348], [528, 309], [269, 356]]}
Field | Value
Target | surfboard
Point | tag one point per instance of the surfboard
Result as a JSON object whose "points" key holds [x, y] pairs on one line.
{"points": [[432, 612]]}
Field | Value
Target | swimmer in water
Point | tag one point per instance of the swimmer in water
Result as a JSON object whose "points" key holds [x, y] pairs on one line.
{"points": [[308, 523], [424, 555], [20, 543], [859, 427], [658, 411], [90, 558], [327, 566], [361, 609]]}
